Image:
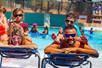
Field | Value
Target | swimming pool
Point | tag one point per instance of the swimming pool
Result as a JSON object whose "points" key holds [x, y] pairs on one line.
{"points": [[95, 40]]}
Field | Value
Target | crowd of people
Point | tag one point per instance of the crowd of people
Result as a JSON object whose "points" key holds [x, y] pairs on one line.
{"points": [[15, 33]]}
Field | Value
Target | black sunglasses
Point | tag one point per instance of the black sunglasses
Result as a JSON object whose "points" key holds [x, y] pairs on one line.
{"points": [[68, 35], [69, 21], [18, 15]]}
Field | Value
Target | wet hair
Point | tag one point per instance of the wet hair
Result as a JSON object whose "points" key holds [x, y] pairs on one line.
{"points": [[17, 10], [70, 15], [32, 30], [15, 32]]}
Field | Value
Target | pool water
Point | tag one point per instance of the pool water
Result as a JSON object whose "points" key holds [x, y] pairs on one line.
{"points": [[95, 40], [42, 41]]}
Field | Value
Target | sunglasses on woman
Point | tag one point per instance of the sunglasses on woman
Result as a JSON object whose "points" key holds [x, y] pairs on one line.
{"points": [[16, 15], [69, 21], [68, 35]]}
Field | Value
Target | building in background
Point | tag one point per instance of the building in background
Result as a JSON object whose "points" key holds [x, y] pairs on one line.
{"points": [[79, 7], [97, 12]]}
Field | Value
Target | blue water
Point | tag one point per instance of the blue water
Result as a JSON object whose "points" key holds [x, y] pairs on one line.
{"points": [[95, 40], [42, 41]]}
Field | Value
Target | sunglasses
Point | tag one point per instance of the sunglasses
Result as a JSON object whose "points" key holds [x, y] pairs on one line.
{"points": [[68, 35], [20, 15], [69, 21]]}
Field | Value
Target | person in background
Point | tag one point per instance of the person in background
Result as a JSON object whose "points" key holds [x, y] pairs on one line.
{"points": [[81, 30], [3, 27], [34, 28], [45, 30], [91, 31], [59, 36], [16, 21], [60, 31], [70, 45]]}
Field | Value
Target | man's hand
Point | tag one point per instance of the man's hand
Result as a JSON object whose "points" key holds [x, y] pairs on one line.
{"points": [[70, 50]]}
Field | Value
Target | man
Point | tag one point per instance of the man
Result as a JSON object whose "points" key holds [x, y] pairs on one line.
{"points": [[71, 19], [70, 45]]}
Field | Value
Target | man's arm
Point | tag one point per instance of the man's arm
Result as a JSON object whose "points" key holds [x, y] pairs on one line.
{"points": [[88, 50], [53, 48]]}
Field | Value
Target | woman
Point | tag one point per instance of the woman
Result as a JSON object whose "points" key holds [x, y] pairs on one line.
{"points": [[59, 36], [45, 30], [34, 28], [3, 27], [17, 19]]}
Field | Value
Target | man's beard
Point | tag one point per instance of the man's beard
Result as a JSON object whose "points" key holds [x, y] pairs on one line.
{"points": [[70, 42]]}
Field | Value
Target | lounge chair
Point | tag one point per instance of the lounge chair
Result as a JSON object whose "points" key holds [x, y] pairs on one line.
{"points": [[68, 60], [17, 52]]}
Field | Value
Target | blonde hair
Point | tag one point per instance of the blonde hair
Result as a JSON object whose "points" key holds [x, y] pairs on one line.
{"points": [[17, 10], [15, 32], [2, 9]]}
